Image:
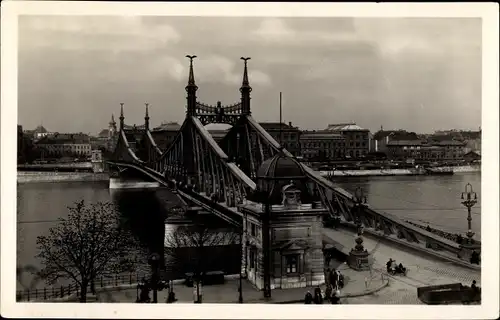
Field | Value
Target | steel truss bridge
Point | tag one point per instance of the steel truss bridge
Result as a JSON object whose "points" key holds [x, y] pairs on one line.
{"points": [[198, 167]]}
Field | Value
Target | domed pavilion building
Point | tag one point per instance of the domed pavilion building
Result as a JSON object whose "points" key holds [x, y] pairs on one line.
{"points": [[282, 224]]}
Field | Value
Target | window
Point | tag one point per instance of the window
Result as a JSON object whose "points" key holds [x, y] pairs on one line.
{"points": [[252, 259], [292, 262], [253, 229]]}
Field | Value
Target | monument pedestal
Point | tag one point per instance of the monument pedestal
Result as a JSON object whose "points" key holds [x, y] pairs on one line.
{"points": [[359, 260], [359, 257], [467, 249]]}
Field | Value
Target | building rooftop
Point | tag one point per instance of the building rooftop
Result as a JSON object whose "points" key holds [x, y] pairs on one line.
{"points": [[321, 134], [447, 143], [382, 134], [168, 126], [104, 133], [345, 127], [276, 126], [65, 138], [405, 143], [40, 129]]}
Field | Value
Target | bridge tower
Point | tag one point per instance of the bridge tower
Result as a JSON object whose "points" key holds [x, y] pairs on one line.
{"points": [[245, 90], [191, 89]]}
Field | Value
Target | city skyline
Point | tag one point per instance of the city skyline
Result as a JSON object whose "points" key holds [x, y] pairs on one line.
{"points": [[419, 74]]}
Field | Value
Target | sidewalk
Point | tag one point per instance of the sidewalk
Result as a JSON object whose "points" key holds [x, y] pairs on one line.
{"points": [[228, 292]]}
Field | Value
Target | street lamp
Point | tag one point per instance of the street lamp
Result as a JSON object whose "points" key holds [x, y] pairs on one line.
{"points": [[266, 244], [359, 202], [358, 257], [154, 260], [469, 198]]}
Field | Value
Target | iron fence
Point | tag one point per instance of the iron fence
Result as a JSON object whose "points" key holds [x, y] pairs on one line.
{"points": [[51, 293]]}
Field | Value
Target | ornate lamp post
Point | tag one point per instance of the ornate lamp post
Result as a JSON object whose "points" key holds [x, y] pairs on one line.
{"points": [[358, 257], [154, 260], [359, 202], [469, 250], [469, 202]]}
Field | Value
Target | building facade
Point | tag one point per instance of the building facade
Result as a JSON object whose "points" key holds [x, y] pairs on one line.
{"points": [[165, 134], [425, 150], [286, 133], [357, 141], [404, 149], [65, 145], [322, 145]]}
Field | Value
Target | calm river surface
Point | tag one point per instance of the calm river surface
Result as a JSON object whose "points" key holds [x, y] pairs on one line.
{"points": [[428, 199]]}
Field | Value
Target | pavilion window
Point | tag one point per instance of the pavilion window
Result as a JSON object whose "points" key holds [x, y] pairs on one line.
{"points": [[292, 263]]}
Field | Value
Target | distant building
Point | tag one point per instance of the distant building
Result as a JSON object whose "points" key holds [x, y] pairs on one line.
{"points": [[40, 132], [290, 135], [472, 156], [381, 139], [97, 161], [165, 134], [452, 149], [425, 150], [218, 130], [107, 138], [322, 145], [357, 141], [65, 145], [404, 149]]}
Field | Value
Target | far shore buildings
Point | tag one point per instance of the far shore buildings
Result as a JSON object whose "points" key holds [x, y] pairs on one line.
{"points": [[287, 134], [322, 145], [65, 145], [357, 139], [165, 134]]}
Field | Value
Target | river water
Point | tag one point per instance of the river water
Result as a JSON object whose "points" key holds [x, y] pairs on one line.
{"points": [[427, 199]]}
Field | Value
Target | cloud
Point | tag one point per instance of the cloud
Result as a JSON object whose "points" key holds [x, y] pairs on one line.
{"points": [[278, 31], [86, 33]]}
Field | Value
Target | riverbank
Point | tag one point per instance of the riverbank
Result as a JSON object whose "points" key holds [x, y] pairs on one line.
{"points": [[396, 172], [41, 176]]}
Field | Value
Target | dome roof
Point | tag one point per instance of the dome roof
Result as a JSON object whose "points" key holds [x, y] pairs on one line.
{"points": [[281, 167], [275, 175]]}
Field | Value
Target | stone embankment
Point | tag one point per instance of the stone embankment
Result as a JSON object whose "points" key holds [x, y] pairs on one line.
{"points": [[39, 176], [396, 172]]}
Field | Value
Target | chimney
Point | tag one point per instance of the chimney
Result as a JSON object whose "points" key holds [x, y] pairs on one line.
{"points": [[290, 123]]}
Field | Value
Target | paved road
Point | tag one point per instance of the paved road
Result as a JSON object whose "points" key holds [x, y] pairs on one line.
{"points": [[422, 271]]}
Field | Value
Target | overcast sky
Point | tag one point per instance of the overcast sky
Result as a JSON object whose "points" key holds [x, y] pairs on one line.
{"points": [[416, 74]]}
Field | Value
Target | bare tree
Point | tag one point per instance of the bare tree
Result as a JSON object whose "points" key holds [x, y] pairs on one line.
{"points": [[188, 247], [91, 241]]}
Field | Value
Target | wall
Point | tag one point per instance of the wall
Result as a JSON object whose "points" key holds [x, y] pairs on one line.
{"points": [[33, 177]]}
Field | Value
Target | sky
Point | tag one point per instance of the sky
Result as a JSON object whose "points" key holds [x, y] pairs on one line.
{"points": [[418, 74]]}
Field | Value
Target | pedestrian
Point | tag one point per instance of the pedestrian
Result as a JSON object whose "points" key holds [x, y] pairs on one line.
{"points": [[308, 299], [335, 297], [327, 273], [318, 297], [340, 279], [328, 292], [334, 278]]}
